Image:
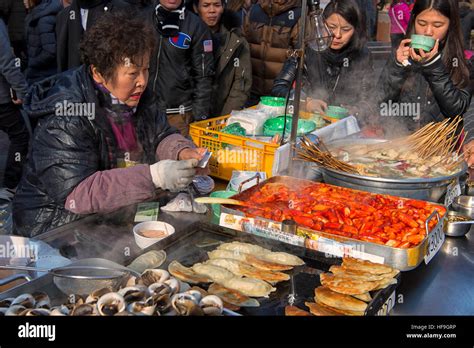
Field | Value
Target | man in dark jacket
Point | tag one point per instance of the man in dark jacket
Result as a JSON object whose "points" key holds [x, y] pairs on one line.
{"points": [[271, 28], [182, 68], [15, 14], [71, 24], [233, 78], [13, 88], [41, 40]]}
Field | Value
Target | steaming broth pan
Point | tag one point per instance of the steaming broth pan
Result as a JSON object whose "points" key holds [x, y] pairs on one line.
{"points": [[426, 189]]}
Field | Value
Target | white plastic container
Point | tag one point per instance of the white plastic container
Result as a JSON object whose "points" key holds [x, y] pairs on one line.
{"points": [[144, 242], [251, 120]]}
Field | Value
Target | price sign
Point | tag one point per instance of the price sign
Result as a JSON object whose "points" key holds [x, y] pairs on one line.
{"points": [[435, 242], [453, 191], [388, 305]]}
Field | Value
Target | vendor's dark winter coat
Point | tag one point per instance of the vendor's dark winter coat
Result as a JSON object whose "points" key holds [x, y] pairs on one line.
{"points": [[68, 149], [41, 40]]}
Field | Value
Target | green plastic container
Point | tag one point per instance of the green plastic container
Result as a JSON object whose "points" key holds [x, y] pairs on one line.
{"points": [[422, 42], [216, 208], [273, 101], [337, 112], [275, 126], [234, 129]]}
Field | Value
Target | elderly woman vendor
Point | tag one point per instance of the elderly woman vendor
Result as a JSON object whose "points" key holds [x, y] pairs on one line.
{"points": [[102, 141]]}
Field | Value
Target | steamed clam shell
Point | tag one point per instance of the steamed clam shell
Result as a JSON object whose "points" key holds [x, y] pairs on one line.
{"points": [[151, 276], [110, 304], [15, 310], [211, 305], [42, 300], [5, 303], [84, 309], [186, 305], [134, 293], [142, 307], [36, 312], [25, 300], [60, 310], [95, 295]]}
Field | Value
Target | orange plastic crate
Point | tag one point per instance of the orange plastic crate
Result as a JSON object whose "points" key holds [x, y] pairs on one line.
{"points": [[231, 152]]}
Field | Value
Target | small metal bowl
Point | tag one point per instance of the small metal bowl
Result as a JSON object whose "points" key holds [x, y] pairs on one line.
{"points": [[456, 229], [464, 205]]}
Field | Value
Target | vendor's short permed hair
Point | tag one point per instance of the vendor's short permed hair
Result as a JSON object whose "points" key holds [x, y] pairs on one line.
{"points": [[117, 38]]}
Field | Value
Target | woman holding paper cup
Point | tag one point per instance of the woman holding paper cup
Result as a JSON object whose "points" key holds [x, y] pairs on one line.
{"points": [[102, 140], [428, 70]]}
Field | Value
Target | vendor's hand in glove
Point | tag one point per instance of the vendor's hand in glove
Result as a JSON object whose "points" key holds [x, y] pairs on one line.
{"points": [[195, 153], [173, 175]]}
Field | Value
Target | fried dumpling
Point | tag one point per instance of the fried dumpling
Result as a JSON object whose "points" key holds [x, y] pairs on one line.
{"points": [[216, 273], [363, 297], [341, 272], [347, 286], [249, 286], [365, 266], [282, 258], [233, 297], [243, 269], [247, 258], [186, 274], [338, 301], [244, 248]]}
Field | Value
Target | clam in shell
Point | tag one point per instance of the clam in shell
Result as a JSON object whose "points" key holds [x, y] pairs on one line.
{"points": [[60, 311], [25, 300], [151, 276], [42, 300], [186, 305], [111, 304], [134, 293], [95, 295], [37, 312], [84, 309], [15, 310], [211, 305], [142, 307]]}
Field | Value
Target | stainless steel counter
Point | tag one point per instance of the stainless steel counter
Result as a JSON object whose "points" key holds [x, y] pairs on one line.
{"points": [[443, 287]]}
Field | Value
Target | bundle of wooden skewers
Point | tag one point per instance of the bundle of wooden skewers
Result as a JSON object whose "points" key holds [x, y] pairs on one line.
{"points": [[441, 140]]}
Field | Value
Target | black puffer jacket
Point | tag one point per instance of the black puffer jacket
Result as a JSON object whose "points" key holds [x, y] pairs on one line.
{"points": [[181, 70], [426, 92], [52, 173], [337, 78], [41, 40]]}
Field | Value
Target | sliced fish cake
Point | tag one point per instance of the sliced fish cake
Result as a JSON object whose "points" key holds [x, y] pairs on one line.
{"points": [[186, 274], [216, 273], [233, 297], [247, 258], [243, 269], [249, 286]]}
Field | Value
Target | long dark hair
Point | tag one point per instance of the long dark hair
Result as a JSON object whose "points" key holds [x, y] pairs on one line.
{"points": [[453, 44], [350, 11]]}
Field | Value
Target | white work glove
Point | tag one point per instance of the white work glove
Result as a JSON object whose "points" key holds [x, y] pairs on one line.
{"points": [[173, 175]]}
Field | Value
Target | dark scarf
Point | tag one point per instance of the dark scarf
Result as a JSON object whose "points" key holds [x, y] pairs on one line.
{"points": [[120, 119], [168, 22]]}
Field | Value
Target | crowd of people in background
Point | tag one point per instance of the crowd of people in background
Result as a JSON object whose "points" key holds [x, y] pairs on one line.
{"points": [[152, 67]]}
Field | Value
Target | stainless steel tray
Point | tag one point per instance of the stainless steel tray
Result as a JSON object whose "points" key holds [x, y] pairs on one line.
{"points": [[428, 189], [402, 259]]}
